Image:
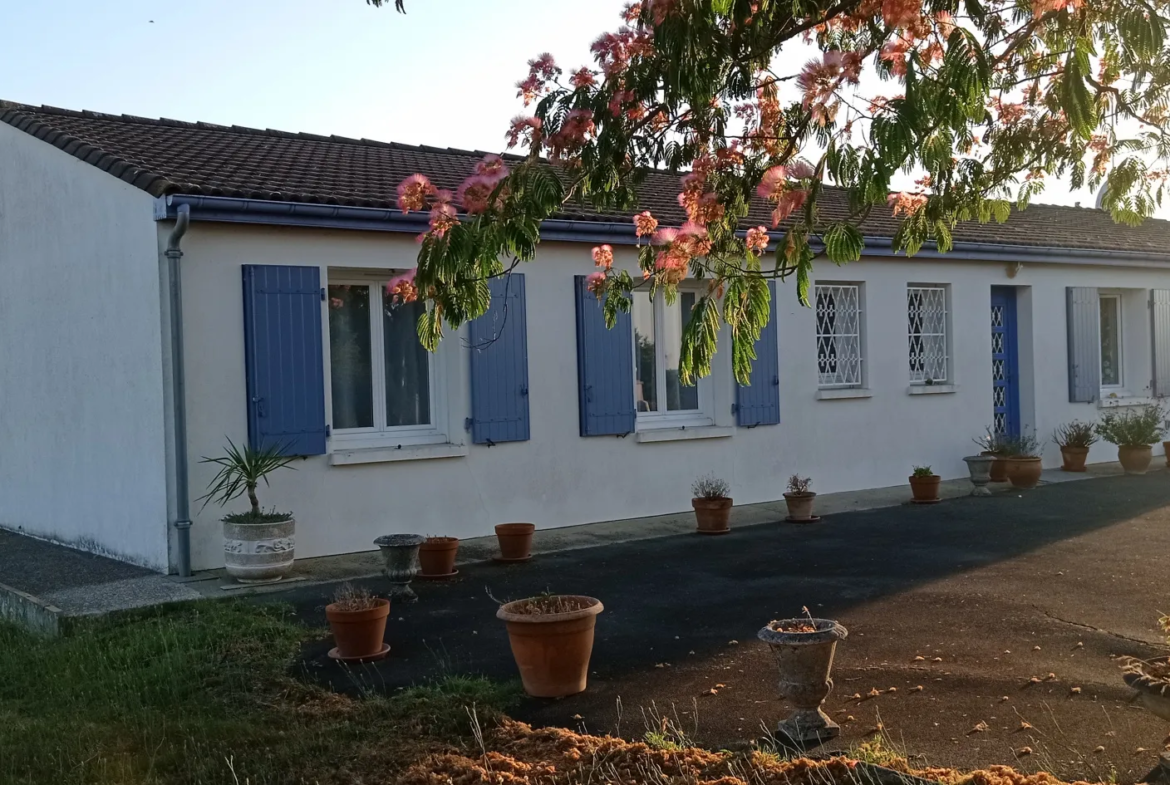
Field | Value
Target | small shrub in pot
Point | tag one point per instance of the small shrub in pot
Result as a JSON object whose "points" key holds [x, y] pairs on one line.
{"points": [[1022, 462], [1074, 439], [1133, 429], [995, 445], [924, 484], [712, 503], [358, 621], [799, 498]]}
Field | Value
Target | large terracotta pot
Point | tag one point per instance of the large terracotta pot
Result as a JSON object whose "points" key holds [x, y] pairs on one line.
{"points": [[712, 516], [552, 650], [998, 468], [358, 634], [515, 540], [1023, 471], [800, 506], [806, 662], [436, 557], [1166, 449], [259, 552], [1074, 458], [925, 489], [1135, 459]]}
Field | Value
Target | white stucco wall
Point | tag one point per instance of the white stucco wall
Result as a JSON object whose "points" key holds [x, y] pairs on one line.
{"points": [[82, 456], [559, 478]]}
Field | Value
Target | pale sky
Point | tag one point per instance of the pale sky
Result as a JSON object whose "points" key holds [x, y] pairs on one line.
{"points": [[444, 74]]}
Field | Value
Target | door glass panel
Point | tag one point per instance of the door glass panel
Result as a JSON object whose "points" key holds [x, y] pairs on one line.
{"points": [[1110, 341], [349, 357]]}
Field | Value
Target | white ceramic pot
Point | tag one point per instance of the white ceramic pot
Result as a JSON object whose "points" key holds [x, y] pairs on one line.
{"points": [[259, 552]]}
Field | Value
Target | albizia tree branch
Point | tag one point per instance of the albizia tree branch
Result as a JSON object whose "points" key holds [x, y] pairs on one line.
{"points": [[986, 98]]}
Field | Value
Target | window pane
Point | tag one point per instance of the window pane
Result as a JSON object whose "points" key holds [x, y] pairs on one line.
{"points": [[838, 315], [349, 357], [679, 397], [927, 314], [645, 367], [1110, 341], [408, 378]]}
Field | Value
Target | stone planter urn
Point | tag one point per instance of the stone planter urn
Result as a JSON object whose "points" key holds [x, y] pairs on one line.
{"points": [[400, 563], [259, 552], [804, 650], [980, 468]]}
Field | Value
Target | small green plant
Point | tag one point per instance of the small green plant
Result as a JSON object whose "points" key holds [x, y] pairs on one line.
{"points": [[923, 471], [1075, 434], [799, 486], [240, 472], [350, 598], [711, 487], [1134, 426]]}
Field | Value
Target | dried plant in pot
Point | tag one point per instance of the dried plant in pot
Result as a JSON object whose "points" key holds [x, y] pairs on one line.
{"points": [[259, 546], [436, 557], [924, 485], [515, 540], [712, 503], [804, 649], [1074, 439], [995, 445], [799, 499], [1022, 462], [358, 621], [552, 641], [1133, 429]]}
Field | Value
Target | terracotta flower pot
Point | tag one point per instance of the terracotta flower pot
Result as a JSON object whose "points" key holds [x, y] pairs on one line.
{"points": [[1023, 471], [925, 489], [552, 650], [800, 505], [998, 468], [712, 516], [1074, 458], [436, 557], [515, 540], [358, 634], [1166, 448], [1135, 459]]}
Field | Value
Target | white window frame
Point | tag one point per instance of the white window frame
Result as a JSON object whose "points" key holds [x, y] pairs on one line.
{"points": [[380, 434], [945, 335], [691, 418], [862, 370], [1119, 388]]}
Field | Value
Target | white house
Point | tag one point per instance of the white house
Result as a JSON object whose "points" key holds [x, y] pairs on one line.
{"points": [[535, 412]]}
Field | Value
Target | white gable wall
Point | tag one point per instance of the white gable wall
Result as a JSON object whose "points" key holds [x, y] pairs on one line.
{"points": [[82, 456], [559, 478]]}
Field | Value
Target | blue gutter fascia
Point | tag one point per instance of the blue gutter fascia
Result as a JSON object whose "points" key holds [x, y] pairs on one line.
{"points": [[323, 216]]}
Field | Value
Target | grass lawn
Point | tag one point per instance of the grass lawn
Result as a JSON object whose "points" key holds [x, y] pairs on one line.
{"points": [[205, 693]]}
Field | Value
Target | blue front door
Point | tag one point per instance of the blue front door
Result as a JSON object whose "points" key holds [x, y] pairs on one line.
{"points": [[1005, 370]]}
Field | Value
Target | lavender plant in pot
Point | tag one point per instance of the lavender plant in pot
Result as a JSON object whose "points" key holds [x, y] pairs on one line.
{"points": [[1022, 462], [1133, 429], [800, 499], [1074, 439], [258, 545], [358, 621], [995, 445], [712, 503]]}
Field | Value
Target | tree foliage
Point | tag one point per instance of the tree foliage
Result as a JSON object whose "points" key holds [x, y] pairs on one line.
{"points": [[937, 111]]}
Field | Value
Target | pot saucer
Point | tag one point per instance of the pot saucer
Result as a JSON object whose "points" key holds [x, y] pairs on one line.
{"points": [[334, 654], [813, 519], [720, 531], [925, 501], [423, 577], [502, 560]]}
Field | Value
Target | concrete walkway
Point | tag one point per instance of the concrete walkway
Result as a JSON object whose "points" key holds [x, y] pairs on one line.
{"points": [[44, 585]]}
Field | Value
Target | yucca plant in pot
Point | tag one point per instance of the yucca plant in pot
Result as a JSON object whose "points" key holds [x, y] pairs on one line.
{"points": [[712, 503], [552, 640], [924, 485], [358, 621], [258, 545], [1133, 429], [1022, 462], [1074, 439], [800, 499]]}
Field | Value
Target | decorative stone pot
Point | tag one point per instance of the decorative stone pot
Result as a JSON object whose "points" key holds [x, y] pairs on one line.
{"points": [[400, 563], [436, 557], [360, 634], [1135, 459], [805, 660], [552, 650], [925, 489], [980, 468], [712, 516], [1073, 458], [998, 468], [259, 552], [800, 506], [1023, 471]]}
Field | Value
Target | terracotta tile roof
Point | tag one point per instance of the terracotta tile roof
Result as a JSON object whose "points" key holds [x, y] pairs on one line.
{"points": [[170, 156]]}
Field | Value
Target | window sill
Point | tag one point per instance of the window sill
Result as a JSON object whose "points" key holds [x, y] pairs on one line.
{"points": [[684, 433], [932, 389], [1106, 402], [839, 393], [411, 452]]}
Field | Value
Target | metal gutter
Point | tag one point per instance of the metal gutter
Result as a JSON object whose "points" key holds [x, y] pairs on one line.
{"points": [[324, 216], [174, 255]]}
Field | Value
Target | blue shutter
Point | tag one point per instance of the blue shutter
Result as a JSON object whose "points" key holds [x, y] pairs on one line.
{"points": [[605, 368], [1084, 344], [283, 360], [499, 365], [759, 403]]}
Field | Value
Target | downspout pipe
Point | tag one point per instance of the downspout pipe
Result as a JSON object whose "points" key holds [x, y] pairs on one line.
{"points": [[174, 255]]}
